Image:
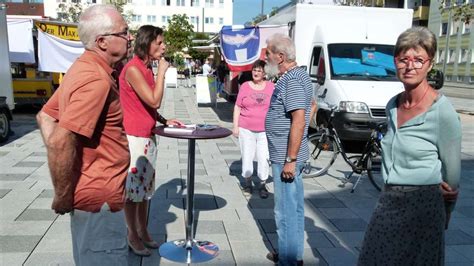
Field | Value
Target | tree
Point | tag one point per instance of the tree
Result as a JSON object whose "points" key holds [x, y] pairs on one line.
{"points": [[178, 34], [196, 54], [460, 12], [69, 12]]}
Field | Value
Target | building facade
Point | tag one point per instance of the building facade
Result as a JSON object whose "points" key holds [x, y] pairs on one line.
{"points": [[204, 15], [455, 55]]}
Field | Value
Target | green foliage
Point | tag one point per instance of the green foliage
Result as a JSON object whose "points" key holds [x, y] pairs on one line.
{"points": [[259, 19], [195, 54], [462, 12], [178, 34], [69, 12], [200, 36]]}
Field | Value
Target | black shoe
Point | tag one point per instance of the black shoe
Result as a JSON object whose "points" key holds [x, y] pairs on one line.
{"points": [[263, 192], [274, 258], [247, 187]]}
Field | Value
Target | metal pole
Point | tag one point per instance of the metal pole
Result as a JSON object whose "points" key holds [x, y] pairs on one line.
{"points": [[448, 33], [203, 19], [190, 195], [263, 1]]}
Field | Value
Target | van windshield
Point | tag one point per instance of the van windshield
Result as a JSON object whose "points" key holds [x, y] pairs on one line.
{"points": [[354, 61]]}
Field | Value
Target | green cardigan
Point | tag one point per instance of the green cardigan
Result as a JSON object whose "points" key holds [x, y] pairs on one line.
{"points": [[426, 149]]}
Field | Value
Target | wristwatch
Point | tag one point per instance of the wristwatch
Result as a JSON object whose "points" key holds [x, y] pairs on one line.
{"points": [[289, 159]]}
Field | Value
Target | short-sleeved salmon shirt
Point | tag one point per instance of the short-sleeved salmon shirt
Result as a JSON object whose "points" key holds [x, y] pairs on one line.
{"points": [[87, 103]]}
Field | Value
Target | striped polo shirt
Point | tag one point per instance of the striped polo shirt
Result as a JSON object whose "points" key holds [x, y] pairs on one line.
{"points": [[293, 91]]}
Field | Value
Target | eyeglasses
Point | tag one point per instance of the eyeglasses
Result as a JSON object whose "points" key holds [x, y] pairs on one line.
{"points": [[124, 34], [417, 63]]}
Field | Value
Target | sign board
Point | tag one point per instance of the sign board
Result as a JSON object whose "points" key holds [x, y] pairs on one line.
{"points": [[171, 77], [63, 31], [206, 89]]}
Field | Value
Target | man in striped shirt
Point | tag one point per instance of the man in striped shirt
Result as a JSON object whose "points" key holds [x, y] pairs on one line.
{"points": [[286, 127]]}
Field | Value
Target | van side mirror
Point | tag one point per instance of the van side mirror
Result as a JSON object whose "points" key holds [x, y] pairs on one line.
{"points": [[318, 79], [436, 78]]}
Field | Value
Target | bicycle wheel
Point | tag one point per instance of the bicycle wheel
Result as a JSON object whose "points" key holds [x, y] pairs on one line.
{"points": [[374, 169], [323, 151]]}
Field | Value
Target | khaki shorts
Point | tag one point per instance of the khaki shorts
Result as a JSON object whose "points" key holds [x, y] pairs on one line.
{"points": [[99, 238]]}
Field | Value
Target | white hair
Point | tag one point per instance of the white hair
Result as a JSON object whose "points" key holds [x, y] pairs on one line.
{"points": [[281, 43], [94, 21]]}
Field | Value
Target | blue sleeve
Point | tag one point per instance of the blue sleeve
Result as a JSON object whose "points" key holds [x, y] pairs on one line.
{"points": [[449, 146], [295, 96]]}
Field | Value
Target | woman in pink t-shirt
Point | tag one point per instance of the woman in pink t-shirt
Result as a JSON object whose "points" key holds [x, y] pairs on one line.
{"points": [[140, 97], [250, 110]]}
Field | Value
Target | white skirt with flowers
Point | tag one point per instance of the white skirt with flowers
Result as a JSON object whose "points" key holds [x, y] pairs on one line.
{"points": [[140, 184]]}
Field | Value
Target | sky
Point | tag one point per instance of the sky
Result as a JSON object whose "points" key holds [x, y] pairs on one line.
{"points": [[246, 10]]}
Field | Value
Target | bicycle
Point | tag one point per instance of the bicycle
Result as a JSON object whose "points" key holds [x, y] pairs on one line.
{"points": [[325, 145]]}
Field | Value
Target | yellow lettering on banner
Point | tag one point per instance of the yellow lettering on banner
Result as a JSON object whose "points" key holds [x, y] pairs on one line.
{"points": [[65, 32]]}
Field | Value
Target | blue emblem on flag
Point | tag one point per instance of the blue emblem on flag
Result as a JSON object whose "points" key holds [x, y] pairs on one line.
{"points": [[240, 46]]}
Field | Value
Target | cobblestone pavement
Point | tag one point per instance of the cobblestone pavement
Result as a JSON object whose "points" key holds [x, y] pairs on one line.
{"points": [[242, 227]]}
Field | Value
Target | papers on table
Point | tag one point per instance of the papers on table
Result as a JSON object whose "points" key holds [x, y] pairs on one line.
{"points": [[188, 129], [184, 129]]}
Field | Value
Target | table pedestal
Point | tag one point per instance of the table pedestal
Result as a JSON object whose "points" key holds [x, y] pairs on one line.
{"points": [[189, 250]]}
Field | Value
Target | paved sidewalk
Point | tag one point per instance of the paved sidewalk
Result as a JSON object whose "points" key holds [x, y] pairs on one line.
{"points": [[242, 227]]}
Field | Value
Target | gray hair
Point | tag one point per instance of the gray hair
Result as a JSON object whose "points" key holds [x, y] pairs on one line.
{"points": [[94, 21], [414, 38], [281, 43]]}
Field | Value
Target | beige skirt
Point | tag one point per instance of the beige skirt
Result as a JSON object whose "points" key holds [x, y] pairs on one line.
{"points": [[140, 184]]}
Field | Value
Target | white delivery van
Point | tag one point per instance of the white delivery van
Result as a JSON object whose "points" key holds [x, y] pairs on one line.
{"points": [[6, 90], [348, 52]]}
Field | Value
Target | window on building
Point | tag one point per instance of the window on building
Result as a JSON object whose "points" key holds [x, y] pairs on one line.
{"points": [[460, 79], [459, 2], [471, 79], [129, 1], [209, 20], [180, 3], [209, 3], [451, 56], [447, 3], [151, 18], [444, 28], [466, 27], [221, 3], [194, 2], [448, 77], [137, 18], [440, 56], [455, 27], [165, 2], [151, 2], [165, 19], [472, 56], [221, 21], [464, 55]]}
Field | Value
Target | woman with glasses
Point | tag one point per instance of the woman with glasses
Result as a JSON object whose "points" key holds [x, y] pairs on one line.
{"points": [[420, 164], [141, 95], [250, 111]]}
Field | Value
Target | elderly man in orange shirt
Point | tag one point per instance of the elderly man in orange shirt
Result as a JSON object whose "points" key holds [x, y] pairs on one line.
{"points": [[87, 148]]}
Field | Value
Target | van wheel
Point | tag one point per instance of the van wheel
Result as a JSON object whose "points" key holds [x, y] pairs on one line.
{"points": [[4, 126]]}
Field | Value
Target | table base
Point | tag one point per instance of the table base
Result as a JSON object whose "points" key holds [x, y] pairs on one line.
{"points": [[201, 251]]}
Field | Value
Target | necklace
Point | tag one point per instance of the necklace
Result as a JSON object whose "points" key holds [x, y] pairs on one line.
{"points": [[406, 107]]}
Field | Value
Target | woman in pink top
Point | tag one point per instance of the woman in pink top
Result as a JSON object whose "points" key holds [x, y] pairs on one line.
{"points": [[250, 110], [141, 95]]}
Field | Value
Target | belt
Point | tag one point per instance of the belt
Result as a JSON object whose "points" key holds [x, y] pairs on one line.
{"points": [[409, 188]]}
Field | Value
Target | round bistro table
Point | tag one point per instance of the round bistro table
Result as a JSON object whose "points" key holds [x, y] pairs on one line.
{"points": [[190, 250]]}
